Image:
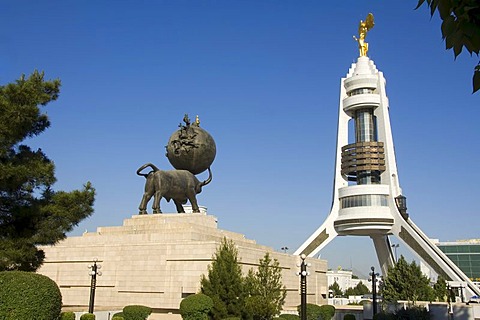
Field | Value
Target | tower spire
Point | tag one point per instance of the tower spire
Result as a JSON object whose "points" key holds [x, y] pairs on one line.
{"points": [[367, 198]]}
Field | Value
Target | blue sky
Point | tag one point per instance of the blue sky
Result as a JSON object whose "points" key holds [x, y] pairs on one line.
{"points": [[264, 78]]}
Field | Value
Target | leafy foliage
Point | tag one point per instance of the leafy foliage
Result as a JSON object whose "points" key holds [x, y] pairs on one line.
{"points": [[136, 312], [327, 312], [287, 316], [313, 311], [336, 291], [68, 315], [406, 281], [460, 27], [196, 307], [27, 295], [224, 282], [87, 316], [31, 213], [440, 289], [266, 293], [359, 290]]}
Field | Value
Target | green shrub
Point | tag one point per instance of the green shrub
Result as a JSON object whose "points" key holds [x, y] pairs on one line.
{"points": [[68, 315], [417, 313], [287, 316], [232, 318], [136, 312], [327, 312], [313, 311], [27, 295], [118, 314], [87, 316], [118, 318], [196, 307], [349, 316]]}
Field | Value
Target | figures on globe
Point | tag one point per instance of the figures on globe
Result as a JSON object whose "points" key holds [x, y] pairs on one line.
{"points": [[191, 150], [363, 28]]}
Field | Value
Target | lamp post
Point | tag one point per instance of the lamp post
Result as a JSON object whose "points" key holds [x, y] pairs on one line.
{"points": [[374, 289], [401, 202], [284, 249], [303, 286], [395, 246], [93, 273]]}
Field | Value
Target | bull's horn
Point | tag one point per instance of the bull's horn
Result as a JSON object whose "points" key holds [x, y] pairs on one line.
{"points": [[204, 183]]}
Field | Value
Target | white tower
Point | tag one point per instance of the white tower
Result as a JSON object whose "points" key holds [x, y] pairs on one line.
{"points": [[367, 198]]}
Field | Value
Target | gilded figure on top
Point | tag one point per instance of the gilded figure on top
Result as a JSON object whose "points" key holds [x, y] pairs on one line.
{"points": [[363, 28]]}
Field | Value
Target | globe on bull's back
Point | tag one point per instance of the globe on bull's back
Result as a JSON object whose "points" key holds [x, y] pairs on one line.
{"points": [[191, 147]]}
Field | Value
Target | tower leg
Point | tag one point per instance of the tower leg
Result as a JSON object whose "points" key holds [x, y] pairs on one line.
{"points": [[319, 239], [384, 252]]}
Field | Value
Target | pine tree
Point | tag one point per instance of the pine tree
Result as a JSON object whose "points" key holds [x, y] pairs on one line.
{"points": [[336, 291], [406, 281], [266, 293], [224, 282], [31, 213]]}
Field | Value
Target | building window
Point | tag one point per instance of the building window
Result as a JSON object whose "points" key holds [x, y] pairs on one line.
{"points": [[364, 200]]}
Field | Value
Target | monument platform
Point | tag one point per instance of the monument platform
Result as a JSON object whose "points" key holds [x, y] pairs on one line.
{"points": [[157, 260]]}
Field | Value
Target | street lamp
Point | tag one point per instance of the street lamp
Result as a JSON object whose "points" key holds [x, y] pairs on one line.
{"points": [[303, 286], [374, 289], [93, 273], [401, 202], [284, 249], [395, 246]]}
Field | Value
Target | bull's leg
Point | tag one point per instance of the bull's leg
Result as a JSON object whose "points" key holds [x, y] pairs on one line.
{"points": [[156, 202], [143, 204], [193, 201], [179, 206]]}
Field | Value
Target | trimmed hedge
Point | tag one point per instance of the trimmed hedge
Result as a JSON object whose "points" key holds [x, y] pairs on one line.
{"points": [[327, 312], [87, 316], [287, 316], [27, 295], [196, 307], [68, 315], [313, 311], [136, 312], [118, 318]]}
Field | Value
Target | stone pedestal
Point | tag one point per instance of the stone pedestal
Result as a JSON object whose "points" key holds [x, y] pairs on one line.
{"points": [[156, 260]]}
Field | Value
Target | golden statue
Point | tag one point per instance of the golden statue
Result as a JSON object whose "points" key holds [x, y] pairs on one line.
{"points": [[363, 28]]}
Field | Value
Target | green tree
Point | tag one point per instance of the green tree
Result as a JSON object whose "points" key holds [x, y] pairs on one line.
{"points": [[336, 291], [266, 293], [406, 281], [359, 290], [460, 27], [31, 213], [224, 282], [440, 289]]}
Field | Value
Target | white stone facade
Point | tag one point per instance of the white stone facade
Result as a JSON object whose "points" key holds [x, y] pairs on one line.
{"points": [[156, 260]]}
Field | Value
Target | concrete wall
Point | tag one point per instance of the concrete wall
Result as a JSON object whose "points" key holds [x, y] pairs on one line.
{"points": [[156, 260]]}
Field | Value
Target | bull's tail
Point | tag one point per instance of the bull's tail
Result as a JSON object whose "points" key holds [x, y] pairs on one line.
{"points": [[209, 179], [146, 165]]}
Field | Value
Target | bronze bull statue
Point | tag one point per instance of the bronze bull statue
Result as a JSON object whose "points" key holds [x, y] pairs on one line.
{"points": [[179, 185]]}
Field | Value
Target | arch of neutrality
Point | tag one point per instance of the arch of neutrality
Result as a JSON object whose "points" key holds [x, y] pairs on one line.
{"points": [[367, 198]]}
